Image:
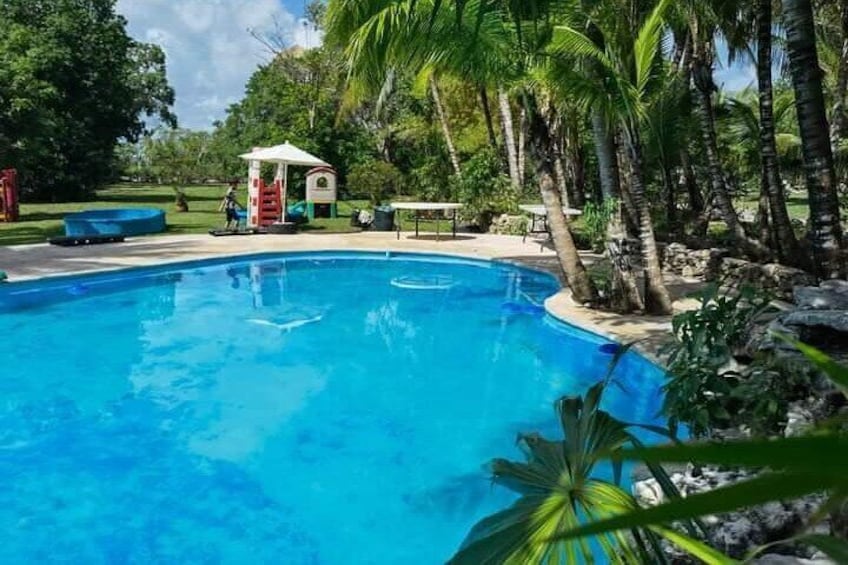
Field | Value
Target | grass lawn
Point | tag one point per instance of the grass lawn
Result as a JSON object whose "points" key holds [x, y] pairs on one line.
{"points": [[42, 221], [796, 204]]}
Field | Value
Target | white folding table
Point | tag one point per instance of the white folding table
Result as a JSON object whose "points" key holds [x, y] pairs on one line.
{"points": [[419, 207]]}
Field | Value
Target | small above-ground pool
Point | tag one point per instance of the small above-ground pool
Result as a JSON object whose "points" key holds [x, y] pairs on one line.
{"points": [[305, 409], [115, 221]]}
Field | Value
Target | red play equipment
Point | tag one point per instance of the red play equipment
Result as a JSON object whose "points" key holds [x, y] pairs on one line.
{"points": [[9, 211], [268, 204]]}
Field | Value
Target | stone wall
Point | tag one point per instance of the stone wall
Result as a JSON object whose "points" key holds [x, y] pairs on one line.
{"points": [[717, 265], [692, 263], [777, 279], [506, 224]]}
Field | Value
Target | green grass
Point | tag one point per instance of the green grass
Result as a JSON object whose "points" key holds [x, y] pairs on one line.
{"points": [[41, 221], [796, 204]]}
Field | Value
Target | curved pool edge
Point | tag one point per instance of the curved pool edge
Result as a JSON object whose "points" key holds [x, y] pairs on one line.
{"points": [[646, 333]]}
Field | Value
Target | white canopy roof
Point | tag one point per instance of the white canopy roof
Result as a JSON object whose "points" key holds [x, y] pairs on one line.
{"points": [[285, 153]]}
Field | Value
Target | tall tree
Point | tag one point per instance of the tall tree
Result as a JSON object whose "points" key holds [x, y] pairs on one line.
{"points": [[703, 32], [788, 248], [825, 224], [629, 64], [431, 35], [76, 84]]}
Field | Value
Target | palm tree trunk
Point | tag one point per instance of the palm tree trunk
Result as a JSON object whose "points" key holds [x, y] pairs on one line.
{"points": [[624, 292], [657, 297], [561, 175], [826, 230], [605, 150], [576, 276], [522, 145], [509, 136], [704, 107], [696, 199], [767, 235], [788, 249], [576, 165], [670, 198], [840, 113], [487, 114], [443, 120]]}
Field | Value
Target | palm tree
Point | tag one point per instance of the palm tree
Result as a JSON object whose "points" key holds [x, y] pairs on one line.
{"points": [[788, 249], [629, 71], [703, 31], [825, 228], [473, 39]]}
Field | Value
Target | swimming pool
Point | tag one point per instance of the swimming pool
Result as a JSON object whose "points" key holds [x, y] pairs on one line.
{"points": [[306, 408]]}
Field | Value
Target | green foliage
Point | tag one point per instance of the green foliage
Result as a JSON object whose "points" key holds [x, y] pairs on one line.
{"points": [[179, 157], [704, 343], [596, 218], [795, 467], [294, 98], [484, 189], [72, 83], [378, 179], [559, 492]]}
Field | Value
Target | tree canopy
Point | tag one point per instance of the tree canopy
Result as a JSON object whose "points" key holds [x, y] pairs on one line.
{"points": [[72, 84]]}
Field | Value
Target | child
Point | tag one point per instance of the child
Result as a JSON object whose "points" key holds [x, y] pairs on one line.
{"points": [[231, 206]]}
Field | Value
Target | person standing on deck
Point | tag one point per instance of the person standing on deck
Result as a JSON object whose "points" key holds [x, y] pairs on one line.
{"points": [[230, 206]]}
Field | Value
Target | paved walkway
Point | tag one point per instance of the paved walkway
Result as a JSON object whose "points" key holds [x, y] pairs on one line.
{"points": [[35, 261]]}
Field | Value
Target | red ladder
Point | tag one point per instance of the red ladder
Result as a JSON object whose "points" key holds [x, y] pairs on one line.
{"points": [[270, 206]]}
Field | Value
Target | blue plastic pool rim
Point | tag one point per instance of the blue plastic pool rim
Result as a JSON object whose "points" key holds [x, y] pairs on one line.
{"points": [[68, 280]]}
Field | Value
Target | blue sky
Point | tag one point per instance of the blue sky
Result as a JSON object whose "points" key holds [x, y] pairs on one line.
{"points": [[211, 53]]}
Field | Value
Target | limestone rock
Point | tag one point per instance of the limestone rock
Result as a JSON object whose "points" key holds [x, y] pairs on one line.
{"points": [[777, 559], [830, 295], [798, 420], [692, 263], [506, 224]]}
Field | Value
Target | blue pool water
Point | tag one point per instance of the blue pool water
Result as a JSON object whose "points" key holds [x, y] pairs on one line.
{"points": [[303, 409]]}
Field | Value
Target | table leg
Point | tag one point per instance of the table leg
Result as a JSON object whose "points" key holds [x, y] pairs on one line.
{"points": [[417, 217], [454, 224], [438, 225]]}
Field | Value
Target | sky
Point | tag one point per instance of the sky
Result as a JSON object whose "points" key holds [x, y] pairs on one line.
{"points": [[211, 53]]}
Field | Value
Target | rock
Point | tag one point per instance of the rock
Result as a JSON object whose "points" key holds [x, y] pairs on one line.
{"points": [[692, 263], [778, 279], [831, 295], [648, 493], [734, 536], [825, 329], [799, 420], [777, 559], [508, 225]]}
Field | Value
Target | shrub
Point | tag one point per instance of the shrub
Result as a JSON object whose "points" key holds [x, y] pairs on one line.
{"points": [[596, 218], [698, 391], [378, 179], [484, 189]]}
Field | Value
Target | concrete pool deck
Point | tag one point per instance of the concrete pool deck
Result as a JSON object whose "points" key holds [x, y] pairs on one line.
{"points": [[24, 262]]}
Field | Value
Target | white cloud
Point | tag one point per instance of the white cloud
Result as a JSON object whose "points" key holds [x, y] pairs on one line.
{"points": [[210, 50]]}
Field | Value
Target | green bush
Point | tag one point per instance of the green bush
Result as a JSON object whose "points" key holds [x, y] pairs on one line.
{"points": [[596, 218], [698, 392], [378, 179], [484, 190]]}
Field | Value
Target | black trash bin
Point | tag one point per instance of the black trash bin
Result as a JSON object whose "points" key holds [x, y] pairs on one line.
{"points": [[354, 218], [384, 218]]}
